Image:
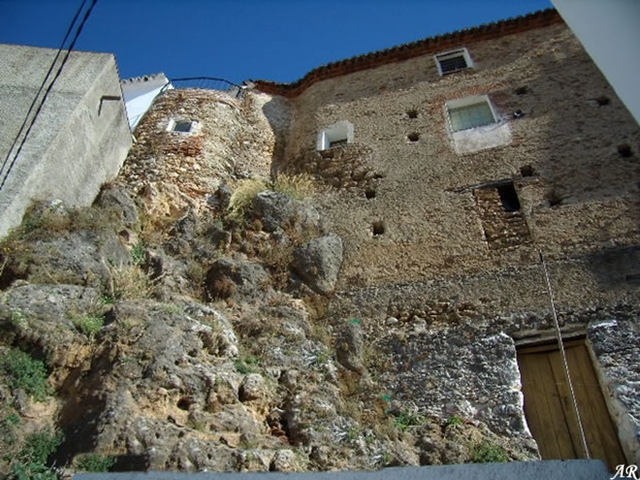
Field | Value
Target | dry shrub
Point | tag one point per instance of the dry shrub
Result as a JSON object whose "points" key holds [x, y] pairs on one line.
{"points": [[244, 194], [296, 186], [222, 288], [277, 257], [130, 282], [42, 221]]}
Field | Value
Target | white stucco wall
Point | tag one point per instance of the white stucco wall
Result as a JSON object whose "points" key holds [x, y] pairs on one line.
{"points": [[139, 94], [610, 32]]}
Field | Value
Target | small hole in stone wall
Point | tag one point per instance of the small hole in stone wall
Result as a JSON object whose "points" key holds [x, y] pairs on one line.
{"points": [[625, 150], [603, 100], [370, 193], [522, 90], [413, 137], [554, 197], [184, 403], [378, 228], [413, 113], [527, 171]]}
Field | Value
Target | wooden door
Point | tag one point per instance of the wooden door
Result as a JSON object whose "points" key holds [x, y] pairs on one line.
{"points": [[549, 408]]}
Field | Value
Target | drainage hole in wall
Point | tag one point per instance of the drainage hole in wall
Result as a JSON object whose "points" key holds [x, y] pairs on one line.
{"points": [[413, 137], [522, 90], [603, 100], [625, 150], [378, 228], [370, 193], [527, 171], [413, 113]]}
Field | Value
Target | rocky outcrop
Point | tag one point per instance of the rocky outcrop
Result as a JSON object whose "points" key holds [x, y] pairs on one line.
{"points": [[227, 278], [318, 262], [279, 211]]}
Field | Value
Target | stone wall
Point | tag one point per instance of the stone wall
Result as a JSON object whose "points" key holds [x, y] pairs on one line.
{"points": [[575, 189], [230, 139], [443, 234]]}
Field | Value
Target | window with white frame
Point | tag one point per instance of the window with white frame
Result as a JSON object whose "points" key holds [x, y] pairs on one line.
{"points": [[340, 133], [453, 61], [470, 112]]}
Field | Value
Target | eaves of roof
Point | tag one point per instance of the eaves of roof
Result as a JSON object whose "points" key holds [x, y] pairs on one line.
{"points": [[431, 45]]}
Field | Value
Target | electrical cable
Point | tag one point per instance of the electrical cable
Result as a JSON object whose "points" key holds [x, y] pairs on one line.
{"points": [[44, 82], [48, 90], [564, 356]]}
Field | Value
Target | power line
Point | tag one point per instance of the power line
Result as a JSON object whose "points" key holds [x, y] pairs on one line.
{"points": [[46, 78], [87, 14]]}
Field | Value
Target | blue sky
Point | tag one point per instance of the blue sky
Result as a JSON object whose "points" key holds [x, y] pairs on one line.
{"points": [[278, 40]]}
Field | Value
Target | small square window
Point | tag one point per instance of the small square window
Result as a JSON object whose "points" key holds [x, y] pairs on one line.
{"points": [[338, 134], [453, 61], [470, 112], [182, 126]]}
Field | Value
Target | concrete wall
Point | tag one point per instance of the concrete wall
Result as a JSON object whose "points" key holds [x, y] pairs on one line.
{"points": [[607, 29], [80, 138]]}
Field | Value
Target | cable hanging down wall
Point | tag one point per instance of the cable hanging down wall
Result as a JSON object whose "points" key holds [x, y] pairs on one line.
{"points": [[40, 98], [564, 356]]}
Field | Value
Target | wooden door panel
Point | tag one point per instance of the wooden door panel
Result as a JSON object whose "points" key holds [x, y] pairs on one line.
{"points": [[549, 407], [544, 406]]}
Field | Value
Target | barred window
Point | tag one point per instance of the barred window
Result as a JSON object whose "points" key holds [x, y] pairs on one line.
{"points": [[453, 61]]}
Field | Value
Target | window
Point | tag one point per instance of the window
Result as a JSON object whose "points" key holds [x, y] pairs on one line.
{"points": [[338, 134], [181, 126], [470, 112], [453, 61]]}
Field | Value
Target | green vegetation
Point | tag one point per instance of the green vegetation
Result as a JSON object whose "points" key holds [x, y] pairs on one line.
{"points": [[486, 452], [454, 420], [22, 371], [18, 318], [404, 419], [89, 325], [94, 462], [247, 364], [138, 253], [31, 462]]}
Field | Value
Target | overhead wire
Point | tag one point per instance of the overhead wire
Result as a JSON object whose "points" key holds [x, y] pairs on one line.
{"points": [[44, 82], [25, 133], [563, 355]]}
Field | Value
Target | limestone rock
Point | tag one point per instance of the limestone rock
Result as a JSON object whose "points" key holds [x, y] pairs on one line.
{"points": [[283, 461], [120, 201], [78, 258], [252, 387], [227, 278], [318, 262], [350, 346], [280, 211]]}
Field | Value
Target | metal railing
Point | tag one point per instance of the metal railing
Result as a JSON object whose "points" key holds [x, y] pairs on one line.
{"points": [[209, 83]]}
